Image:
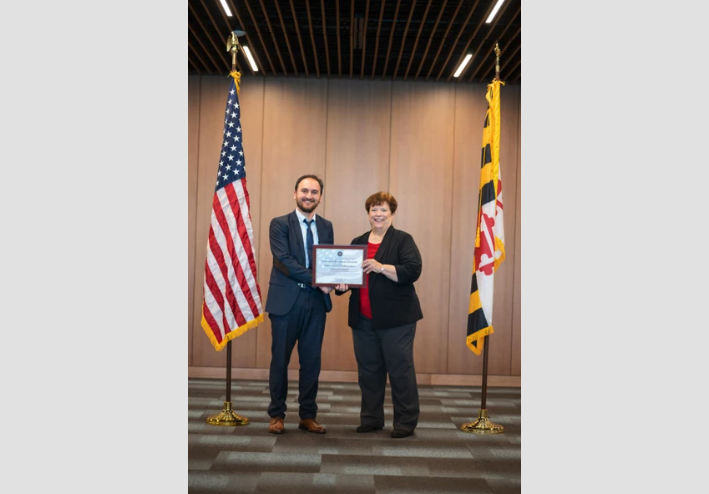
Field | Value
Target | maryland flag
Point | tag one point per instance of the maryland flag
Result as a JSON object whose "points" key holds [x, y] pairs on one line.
{"points": [[490, 233]]}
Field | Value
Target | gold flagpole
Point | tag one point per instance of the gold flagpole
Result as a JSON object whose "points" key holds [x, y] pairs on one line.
{"points": [[483, 425], [227, 417]]}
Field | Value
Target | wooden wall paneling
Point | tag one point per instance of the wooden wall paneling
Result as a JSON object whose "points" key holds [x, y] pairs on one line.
{"points": [[193, 87], [516, 368], [294, 144], [213, 91], [251, 99], [213, 96], [500, 352], [421, 168], [358, 125], [341, 133], [470, 108]]}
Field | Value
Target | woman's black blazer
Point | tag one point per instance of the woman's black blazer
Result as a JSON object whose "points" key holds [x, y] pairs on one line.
{"points": [[393, 303]]}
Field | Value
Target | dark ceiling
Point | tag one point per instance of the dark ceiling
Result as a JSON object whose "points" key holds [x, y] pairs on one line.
{"points": [[355, 39]]}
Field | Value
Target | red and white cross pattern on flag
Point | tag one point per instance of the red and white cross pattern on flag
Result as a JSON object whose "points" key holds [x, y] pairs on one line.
{"points": [[490, 233]]}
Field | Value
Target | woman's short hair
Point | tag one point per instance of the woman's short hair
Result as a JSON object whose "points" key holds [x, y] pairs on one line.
{"points": [[380, 198]]}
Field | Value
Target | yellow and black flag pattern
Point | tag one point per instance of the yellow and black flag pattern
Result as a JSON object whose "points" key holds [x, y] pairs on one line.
{"points": [[489, 236]]}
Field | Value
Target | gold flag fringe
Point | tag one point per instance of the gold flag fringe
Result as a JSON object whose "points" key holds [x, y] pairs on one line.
{"points": [[233, 334]]}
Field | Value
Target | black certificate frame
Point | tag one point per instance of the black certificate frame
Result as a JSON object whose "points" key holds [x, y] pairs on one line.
{"points": [[319, 248]]}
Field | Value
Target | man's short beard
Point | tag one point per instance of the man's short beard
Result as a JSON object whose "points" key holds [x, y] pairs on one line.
{"points": [[307, 209]]}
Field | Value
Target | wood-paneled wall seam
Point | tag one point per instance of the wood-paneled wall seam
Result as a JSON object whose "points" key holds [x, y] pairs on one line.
{"points": [[327, 103], [193, 118], [516, 313], [452, 232]]}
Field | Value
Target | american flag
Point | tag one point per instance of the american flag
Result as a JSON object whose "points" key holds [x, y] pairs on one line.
{"points": [[232, 297]]}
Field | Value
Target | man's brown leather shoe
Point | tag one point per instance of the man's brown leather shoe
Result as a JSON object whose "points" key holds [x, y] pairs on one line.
{"points": [[276, 426], [311, 426]]}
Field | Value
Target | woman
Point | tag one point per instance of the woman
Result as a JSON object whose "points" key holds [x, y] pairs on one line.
{"points": [[383, 317]]}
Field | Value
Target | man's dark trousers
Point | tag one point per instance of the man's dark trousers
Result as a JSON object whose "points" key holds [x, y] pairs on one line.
{"points": [[304, 323]]}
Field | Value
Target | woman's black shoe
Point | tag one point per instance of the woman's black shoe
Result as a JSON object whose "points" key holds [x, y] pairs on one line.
{"points": [[367, 428]]}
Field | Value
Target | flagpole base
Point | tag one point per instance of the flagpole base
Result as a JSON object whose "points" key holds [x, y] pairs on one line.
{"points": [[482, 425], [227, 417]]}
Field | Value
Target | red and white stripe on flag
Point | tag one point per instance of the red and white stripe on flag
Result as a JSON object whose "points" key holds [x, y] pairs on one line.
{"points": [[232, 297]]}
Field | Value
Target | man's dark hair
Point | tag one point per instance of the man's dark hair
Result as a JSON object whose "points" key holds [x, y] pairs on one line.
{"points": [[314, 177]]}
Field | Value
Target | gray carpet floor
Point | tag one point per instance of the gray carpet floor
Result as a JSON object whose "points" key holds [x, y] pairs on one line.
{"points": [[438, 458]]}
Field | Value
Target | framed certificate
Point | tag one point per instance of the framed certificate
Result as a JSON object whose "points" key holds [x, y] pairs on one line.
{"points": [[338, 264]]}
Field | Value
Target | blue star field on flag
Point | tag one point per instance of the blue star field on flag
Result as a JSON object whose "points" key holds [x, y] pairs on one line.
{"points": [[231, 160]]}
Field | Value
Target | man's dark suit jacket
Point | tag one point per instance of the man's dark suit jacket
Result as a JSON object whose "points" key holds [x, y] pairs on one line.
{"points": [[289, 269], [393, 303]]}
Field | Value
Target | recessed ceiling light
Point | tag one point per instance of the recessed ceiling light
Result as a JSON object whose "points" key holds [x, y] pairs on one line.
{"points": [[251, 59], [463, 64], [492, 14], [226, 8]]}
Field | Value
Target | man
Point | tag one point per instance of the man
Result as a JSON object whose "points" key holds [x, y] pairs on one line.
{"points": [[297, 310]]}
